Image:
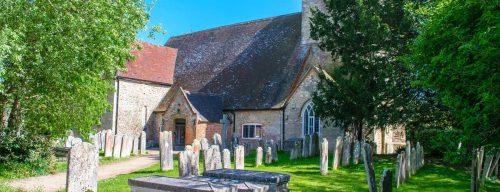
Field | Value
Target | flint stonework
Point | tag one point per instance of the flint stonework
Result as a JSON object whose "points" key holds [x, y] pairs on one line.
{"points": [[117, 146], [337, 153], [83, 160], [324, 157], [108, 148], [226, 156], [258, 158], [239, 157], [269, 155], [143, 142]]}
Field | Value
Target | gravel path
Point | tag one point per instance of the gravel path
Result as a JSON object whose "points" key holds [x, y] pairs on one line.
{"points": [[58, 181]]}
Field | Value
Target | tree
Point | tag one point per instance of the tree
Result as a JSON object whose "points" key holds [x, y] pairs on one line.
{"points": [[57, 62], [370, 88], [457, 56]]}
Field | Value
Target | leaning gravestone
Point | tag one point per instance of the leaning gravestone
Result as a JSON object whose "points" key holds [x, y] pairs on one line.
{"points": [[324, 157], [117, 146], [258, 158], [185, 163], [269, 155], [370, 173], [386, 181], [346, 155], [226, 163], [356, 152], [239, 157], [337, 153], [83, 160], [108, 148], [212, 158], [135, 148], [143, 142], [166, 153], [217, 139]]}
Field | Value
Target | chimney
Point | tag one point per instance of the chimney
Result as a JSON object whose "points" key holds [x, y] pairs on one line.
{"points": [[306, 14]]}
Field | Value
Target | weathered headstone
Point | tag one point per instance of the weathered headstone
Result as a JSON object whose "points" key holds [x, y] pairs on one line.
{"points": [[143, 142], [196, 146], [166, 153], [247, 149], [296, 151], [269, 155], [274, 149], [494, 165], [356, 152], [413, 161], [185, 163], [315, 144], [417, 162], [239, 157], [225, 126], [125, 149], [94, 139], [305, 146], [370, 173], [346, 154], [117, 146], [217, 139], [69, 140], [195, 163], [397, 178], [108, 148], [83, 160], [386, 181], [324, 157], [204, 144], [408, 159], [135, 149], [311, 145], [403, 167], [259, 155], [486, 167], [102, 137], [212, 158], [226, 156], [337, 153]]}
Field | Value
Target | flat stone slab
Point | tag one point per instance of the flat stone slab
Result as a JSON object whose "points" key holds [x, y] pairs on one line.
{"points": [[160, 183], [242, 186], [249, 176]]}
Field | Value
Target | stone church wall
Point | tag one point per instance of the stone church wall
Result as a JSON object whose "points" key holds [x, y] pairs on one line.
{"points": [[269, 119]]}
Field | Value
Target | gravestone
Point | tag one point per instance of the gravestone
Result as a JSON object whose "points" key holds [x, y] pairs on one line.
{"points": [[135, 148], [324, 157], [204, 144], [397, 173], [486, 167], [185, 163], [125, 146], [413, 161], [315, 149], [195, 163], [369, 171], [225, 126], [269, 155], [356, 152], [212, 158], [403, 167], [274, 149], [386, 181], [196, 146], [239, 157], [226, 156], [95, 140], [247, 149], [258, 158], [166, 153], [83, 160], [217, 139], [108, 148], [408, 159], [143, 142], [337, 153], [346, 154], [117, 146], [296, 151], [417, 150], [102, 139], [305, 146], [69, 140], [234, 141]]}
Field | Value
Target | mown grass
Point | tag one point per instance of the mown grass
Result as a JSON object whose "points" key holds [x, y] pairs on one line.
{"points": [[306, 177]]}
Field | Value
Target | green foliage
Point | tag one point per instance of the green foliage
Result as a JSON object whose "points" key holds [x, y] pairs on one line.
{"points": [[371, 85], [456, 56]]}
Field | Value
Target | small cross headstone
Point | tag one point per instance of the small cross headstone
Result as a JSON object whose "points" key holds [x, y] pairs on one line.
{"points": [[226, 156], [258, 158], [370, 172], [324, 157], [166, 153], [269, 155], [356, 152], [108, 148], [143, 142], [386, 181], [117, 146], [337, 153], [239, 156], [346, 155], [83, 160]]}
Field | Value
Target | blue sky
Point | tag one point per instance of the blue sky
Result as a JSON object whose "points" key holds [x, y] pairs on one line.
{"points": [[179, 17]]}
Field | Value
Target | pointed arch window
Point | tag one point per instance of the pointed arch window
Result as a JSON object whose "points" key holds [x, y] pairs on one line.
{"points": [[310, 122]]}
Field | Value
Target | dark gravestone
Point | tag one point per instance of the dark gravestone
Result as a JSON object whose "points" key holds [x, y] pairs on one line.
{"points": [[386, 181], [370, 172]]}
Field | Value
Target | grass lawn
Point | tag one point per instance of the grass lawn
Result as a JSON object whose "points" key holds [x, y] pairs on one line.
{"points": [[306, 177]]}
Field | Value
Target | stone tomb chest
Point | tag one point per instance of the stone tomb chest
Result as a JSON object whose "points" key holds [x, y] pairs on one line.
{"points": [[220, 180]]}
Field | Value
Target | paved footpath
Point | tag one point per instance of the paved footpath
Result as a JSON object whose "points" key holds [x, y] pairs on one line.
{"points": [[58, 181]]}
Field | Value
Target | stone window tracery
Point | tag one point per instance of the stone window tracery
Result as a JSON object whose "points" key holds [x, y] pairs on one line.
{"points": [[310, 122]]}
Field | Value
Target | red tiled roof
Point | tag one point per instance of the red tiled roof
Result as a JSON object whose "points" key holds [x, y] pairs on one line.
{"points": [[152, 63]]}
